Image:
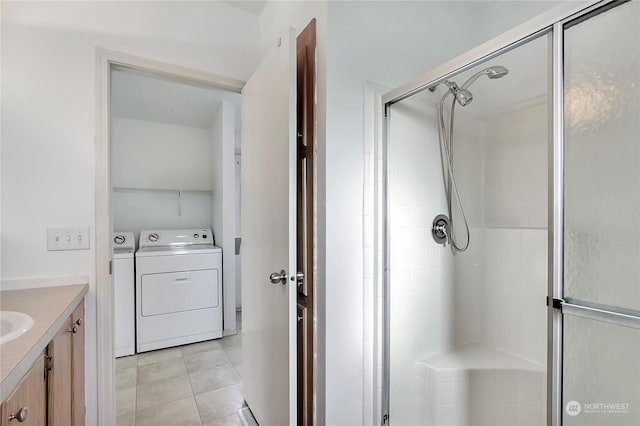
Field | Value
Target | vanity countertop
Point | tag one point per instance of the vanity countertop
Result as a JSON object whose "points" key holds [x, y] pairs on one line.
{"points": [[50, 307]]}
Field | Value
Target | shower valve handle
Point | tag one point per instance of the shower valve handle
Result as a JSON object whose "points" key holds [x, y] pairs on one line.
{"points": [[440, 228]]}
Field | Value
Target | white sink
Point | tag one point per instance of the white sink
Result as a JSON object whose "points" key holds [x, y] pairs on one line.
{"points": [[13, 325]]}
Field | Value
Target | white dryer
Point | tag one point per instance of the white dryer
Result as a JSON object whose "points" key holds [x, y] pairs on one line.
{"points": [[178, 288], [124, 245]]}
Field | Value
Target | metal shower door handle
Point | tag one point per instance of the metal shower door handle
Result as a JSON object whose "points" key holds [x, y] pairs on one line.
{"points": [[279, 278]]}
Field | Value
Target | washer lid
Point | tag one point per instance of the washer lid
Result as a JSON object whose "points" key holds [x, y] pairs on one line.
{"points": [[123, 253], [178, 250]]}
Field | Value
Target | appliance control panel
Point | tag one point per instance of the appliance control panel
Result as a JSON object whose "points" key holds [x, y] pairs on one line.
{"points": [[123, 241], [175, 237]]}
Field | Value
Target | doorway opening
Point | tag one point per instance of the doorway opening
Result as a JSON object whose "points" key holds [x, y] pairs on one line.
{"points": [[173, 180], [165, 162], [173, 161], [189, 200]]}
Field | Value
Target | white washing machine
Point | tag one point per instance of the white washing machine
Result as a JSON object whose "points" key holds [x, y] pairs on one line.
{"points": [[178, 288], [124, 245]]}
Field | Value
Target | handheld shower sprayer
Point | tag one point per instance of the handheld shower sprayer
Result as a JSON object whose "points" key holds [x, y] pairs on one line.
{"points": [[442, 229], [491, 72]]}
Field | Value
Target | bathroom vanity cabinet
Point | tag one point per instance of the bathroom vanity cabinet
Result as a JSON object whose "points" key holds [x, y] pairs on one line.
{"points": [[51, 392], [65, 371], [28, 403]]}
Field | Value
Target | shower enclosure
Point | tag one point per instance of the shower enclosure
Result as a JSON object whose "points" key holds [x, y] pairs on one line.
{"points": [[511, 285]]}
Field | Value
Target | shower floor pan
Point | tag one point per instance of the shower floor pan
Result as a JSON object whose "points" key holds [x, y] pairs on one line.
{"points": [[478, 385]]}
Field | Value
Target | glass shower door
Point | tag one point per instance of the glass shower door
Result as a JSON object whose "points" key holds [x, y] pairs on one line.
{"points": [[454, 358], [601, 306]]}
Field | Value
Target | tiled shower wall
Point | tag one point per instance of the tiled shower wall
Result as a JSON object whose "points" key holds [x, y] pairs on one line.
{"points": [[501, 280], [515, 232], [422, 306]]}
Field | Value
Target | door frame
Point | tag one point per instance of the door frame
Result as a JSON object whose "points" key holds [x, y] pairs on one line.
{"points": [[105, 60], [550, 22], [306, 146]]}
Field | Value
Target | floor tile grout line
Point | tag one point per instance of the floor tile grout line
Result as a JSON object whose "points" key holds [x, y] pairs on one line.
{"points": [[193, 394], [165, 402], [237, 372]]}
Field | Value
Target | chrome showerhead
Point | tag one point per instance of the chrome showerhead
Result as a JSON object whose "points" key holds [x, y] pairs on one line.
{"points": [[463, 96], [491, 72], [497, 71]]}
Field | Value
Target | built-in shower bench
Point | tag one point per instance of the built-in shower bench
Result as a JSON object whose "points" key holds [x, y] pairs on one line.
{"points": [[478, 385]]}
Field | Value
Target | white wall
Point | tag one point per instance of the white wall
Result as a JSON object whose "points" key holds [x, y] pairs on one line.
{"points": [[48, 114], [147, 159], [223, 218], [145, 154], [135, 210]]}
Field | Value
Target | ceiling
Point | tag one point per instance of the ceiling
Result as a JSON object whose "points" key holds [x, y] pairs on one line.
{"points": [[250, 6], [140, 96]]}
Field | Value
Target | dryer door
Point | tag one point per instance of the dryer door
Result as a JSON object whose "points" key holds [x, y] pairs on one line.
{"points": [[179, 291]]}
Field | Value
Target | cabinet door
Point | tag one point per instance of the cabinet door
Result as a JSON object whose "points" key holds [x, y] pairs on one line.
{"points": [[77, 366], [30, 396], [60, 377]]}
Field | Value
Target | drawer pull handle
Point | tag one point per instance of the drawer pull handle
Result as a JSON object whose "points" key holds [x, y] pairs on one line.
{"points": [[78, 322], [20, 416], [73, 330]]}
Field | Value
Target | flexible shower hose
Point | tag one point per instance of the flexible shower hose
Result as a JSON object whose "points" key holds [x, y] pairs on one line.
{"points": [[446, 151]]}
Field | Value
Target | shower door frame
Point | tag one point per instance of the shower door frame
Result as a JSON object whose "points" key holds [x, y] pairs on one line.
{"points": [[550, 22]]}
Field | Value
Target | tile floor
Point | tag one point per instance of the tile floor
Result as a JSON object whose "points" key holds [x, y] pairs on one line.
{"points": [[191, 385]]}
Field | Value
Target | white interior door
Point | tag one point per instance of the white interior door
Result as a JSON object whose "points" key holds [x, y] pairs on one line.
{"points": [[269, 236]]}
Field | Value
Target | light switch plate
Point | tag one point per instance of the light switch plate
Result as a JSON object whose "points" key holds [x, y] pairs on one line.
{"points": [[68, 238]]}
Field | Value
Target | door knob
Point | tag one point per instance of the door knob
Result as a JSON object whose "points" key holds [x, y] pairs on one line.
{"points": [[20, 416], [278, 277]]}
